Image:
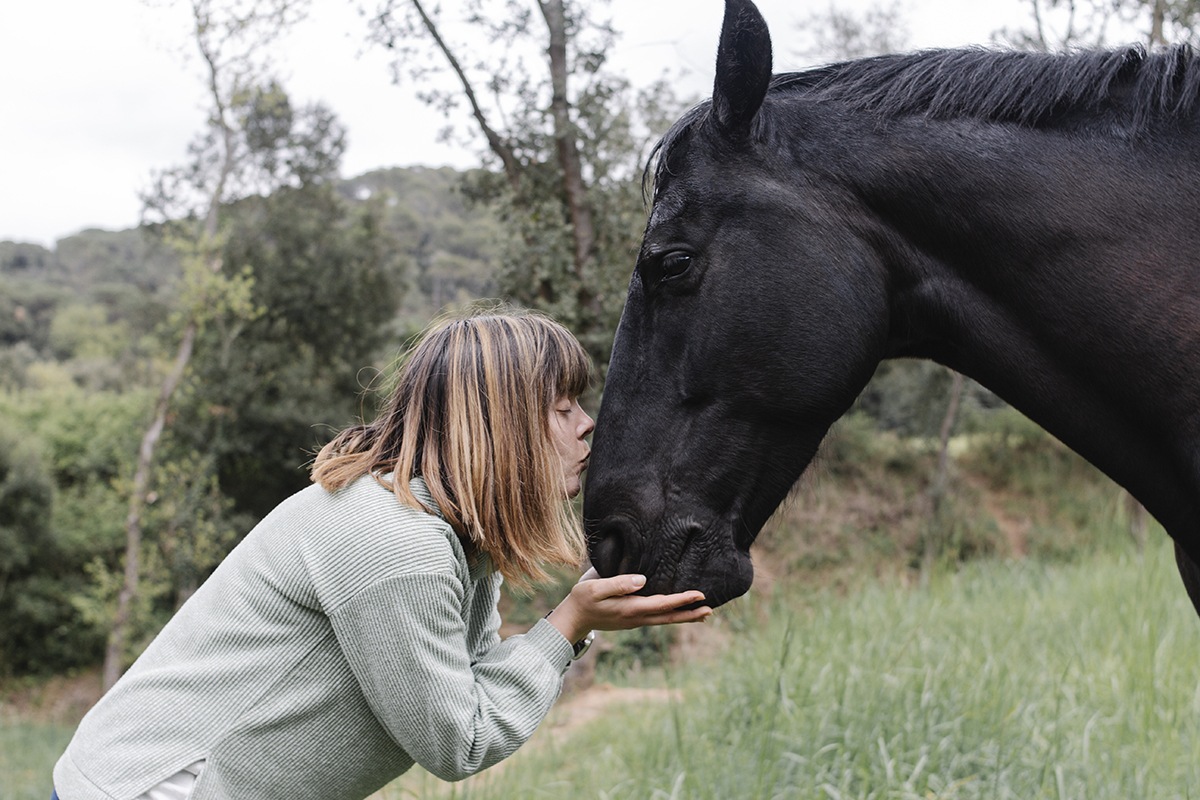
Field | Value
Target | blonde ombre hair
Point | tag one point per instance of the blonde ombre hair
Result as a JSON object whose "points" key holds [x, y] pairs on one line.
{"points": [[470, 413]]}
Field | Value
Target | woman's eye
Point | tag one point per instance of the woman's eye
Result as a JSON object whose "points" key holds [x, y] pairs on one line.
{"points": [[675, 264]]}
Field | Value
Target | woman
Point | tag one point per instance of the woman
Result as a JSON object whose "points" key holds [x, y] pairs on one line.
{"points": [[354, 631]]}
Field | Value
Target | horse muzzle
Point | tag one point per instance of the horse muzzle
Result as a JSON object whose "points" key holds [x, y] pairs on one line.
{"points": [[681, 555]]}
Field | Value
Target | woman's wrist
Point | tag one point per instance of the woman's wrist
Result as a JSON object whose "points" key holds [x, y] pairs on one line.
{"points": [[566, 619]]}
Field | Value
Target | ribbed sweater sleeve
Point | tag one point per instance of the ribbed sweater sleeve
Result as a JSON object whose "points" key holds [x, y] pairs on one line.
{"points": [[455, 714]]}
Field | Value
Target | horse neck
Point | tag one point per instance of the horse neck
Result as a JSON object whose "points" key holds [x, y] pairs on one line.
{"points": [[1065, 279]]}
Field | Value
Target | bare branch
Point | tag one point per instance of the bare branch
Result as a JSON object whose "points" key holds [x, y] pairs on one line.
{"points": [[495, 141]]}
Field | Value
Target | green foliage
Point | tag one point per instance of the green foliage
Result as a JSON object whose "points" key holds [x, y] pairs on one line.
{"points": [[96, 262], [856, 445], [264, 392], [447, 247], [69, 458], [191, 521], [321, 266], [211, 296], [867, 504], [27, 307], [288, 147], [24, 259], [538, 265], [569, 136], [87, 435], [910, 397], [84, 331], [186, 533], [26, 501], [90, 307]]}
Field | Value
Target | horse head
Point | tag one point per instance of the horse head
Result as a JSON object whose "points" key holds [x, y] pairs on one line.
{"points": [[750, 326]]}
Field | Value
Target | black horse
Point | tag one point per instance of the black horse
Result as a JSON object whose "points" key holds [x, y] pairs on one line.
{"points": [[1030, 220]]}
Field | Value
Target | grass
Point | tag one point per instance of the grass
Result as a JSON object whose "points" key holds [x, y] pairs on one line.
{"points": [[1004, 680], [28, 751], [1019, 680]]}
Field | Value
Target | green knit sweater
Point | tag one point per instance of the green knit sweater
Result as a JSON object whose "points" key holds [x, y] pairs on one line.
{"points": [[344, 639]]}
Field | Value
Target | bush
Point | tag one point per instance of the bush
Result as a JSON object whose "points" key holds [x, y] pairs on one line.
{"points": [[41, 633], [60, 509]]}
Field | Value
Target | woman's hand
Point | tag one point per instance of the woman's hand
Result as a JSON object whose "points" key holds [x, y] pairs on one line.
{"points": [[608, 604]]}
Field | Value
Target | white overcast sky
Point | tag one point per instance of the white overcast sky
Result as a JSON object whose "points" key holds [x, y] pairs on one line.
{"points": [[96, 94]]}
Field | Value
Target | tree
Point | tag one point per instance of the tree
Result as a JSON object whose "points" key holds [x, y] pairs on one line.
{"points": [[62, 456], [325, 280], [1064, 24], [26, 493], [229, 38], [837, 34], [561, 133]]}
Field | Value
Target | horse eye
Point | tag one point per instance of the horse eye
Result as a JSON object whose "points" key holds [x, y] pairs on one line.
{"points": [[675, 264]]}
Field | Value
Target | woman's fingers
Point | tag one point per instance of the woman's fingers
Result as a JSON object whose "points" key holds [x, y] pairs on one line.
{"points": [[658, 605], [660, 609], [673, 617], [678, 617], [616, 586], [620, 585]]}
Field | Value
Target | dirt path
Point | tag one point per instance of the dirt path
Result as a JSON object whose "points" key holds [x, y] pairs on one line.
{"points": [[576, 711]]}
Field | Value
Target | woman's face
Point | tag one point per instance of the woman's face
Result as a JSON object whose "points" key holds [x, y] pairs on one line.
{"points": [[569, 427]]}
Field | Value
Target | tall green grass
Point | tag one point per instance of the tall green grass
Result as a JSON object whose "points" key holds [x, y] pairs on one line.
{"points": [[1005, 680]]}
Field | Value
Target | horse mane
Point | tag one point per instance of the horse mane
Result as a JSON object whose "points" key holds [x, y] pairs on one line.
{"points": [[1014, 86], [1019, 87]]}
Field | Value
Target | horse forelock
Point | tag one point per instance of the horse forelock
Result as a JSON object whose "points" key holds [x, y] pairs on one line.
{"points": [[657, 163], [1020, 87]]}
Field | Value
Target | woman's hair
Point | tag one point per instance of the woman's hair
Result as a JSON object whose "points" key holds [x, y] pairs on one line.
{"points": [[470, 414]]}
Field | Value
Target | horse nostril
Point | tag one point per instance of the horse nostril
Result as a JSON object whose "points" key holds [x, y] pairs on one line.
{"points": [[606, 552], [609, 547]]}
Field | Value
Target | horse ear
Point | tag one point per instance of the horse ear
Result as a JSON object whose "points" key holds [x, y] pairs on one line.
{"points": [[743, 67]]}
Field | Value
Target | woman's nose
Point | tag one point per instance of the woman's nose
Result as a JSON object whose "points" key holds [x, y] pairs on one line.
{"points": [[587, 426]]}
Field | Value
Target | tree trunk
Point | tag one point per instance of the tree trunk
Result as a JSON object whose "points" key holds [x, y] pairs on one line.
{"points": [[937, 488], [1138, 518], [583, 229], [1157, 17], [115, 650], [948, 422], [1039, 26]]}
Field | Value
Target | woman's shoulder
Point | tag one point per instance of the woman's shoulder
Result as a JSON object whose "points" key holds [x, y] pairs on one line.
{"points": [[365, 529], [369, 499]]}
